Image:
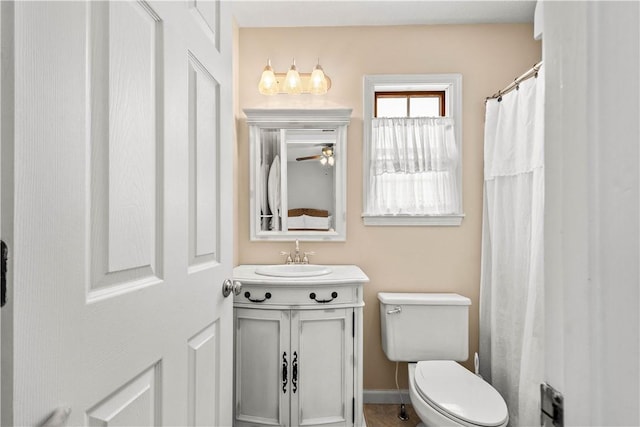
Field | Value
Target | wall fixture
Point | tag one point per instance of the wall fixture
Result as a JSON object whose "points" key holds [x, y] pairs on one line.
{"points": [[292, 82], [327, 157]]}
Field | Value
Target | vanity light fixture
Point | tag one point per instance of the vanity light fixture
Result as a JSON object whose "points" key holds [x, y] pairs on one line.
{"points": [[293, 82], [318, 83], [268, 83]]}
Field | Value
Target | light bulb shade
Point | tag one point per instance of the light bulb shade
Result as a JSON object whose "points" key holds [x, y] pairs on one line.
{"points": [[318, 81], [331, 160], [323, 160], [292, 83], [268, 83]]}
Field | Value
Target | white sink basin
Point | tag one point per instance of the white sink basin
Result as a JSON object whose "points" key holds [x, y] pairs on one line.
{"points": [[293, 270]]}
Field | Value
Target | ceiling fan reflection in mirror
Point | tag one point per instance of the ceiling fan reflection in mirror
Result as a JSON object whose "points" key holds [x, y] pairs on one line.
{"points": [[325, 156]]}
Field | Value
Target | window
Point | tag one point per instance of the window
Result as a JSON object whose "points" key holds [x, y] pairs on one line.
{"points": [[412, 157], [410, 104]]}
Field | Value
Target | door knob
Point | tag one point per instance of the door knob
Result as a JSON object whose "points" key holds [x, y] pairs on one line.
{"points": [[237, 287], [229, 286]]}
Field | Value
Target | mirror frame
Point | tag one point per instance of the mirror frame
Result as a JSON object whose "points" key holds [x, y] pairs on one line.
{"points": [[296, 118]]}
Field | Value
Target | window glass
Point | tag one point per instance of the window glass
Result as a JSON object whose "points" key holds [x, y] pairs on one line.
{"points": [[391, 107], [424, 106]]}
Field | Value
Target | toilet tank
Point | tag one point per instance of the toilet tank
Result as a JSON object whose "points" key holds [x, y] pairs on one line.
{"points": [[418, 326]]}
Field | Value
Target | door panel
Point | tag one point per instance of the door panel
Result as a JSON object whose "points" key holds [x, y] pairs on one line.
{"points": [[111, 317], [203, 157], [130, 125], [204, 377], [206, 14], [323, 342], [262, 354], [135, 404], [125, 96]]}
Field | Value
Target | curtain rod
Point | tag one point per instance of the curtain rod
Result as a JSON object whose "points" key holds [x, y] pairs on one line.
{"points": [[532, 72]]}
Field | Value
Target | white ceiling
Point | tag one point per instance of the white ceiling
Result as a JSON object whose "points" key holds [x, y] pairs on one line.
{"points": [[314, 13]]}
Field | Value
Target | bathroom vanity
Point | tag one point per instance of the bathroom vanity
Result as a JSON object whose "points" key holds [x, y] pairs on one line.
{"points": [[298, 345]]}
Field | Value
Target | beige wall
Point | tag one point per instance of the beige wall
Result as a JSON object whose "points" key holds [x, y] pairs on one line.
{"points": [[398, 259]]}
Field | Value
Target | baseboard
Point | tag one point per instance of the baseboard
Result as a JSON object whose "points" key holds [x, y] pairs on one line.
{"points": [[384, 396]]}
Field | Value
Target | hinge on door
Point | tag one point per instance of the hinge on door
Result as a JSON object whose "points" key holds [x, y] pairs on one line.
{"points": [[551, 407], [4, 254]]}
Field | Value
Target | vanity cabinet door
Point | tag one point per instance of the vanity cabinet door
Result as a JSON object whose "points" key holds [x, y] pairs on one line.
{"points": [[322, 345], [262, 360]]}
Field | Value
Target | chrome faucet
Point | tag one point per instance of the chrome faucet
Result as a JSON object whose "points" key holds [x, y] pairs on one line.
{"points": [[298, 256]]}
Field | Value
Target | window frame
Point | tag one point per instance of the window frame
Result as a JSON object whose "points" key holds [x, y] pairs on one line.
{"points": [[451, 84], [440, 94]]}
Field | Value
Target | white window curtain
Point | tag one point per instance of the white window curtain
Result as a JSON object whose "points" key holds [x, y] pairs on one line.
{"points": [[413, 167], [511, 289]]}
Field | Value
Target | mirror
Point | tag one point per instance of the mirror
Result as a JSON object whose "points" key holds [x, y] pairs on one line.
{"points": [[298, 174]]}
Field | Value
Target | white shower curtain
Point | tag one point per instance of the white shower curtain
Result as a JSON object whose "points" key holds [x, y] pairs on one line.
{"points": [[511, 290]]}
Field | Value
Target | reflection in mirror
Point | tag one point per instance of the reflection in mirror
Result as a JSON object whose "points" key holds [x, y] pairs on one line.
{"points": [[270, 179], [310, 179]]}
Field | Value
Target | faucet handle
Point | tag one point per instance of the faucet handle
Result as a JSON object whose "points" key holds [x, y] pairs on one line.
{"points": [[305, 259], [288, 254]]}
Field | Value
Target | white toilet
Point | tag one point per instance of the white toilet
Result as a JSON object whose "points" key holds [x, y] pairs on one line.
{"points": [[431, 332]]}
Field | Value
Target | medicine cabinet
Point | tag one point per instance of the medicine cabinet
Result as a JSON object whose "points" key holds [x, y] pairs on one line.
{"points": [[298, 163]]}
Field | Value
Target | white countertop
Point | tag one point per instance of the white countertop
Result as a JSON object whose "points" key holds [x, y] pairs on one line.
{"points": [[340, 274]]}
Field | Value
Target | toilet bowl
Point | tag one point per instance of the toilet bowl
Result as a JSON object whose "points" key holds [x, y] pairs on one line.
{"points": [[443, 393], [433, 329]]}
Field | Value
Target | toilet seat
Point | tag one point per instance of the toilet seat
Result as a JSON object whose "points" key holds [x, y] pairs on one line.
{"points": [[459, 395]]}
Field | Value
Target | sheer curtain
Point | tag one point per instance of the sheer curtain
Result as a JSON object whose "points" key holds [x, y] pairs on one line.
{"points": [[413, 167], [511, 290]]}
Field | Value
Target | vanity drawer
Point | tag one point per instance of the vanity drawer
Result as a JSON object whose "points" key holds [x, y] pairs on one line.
{"points": [[321, 295]]}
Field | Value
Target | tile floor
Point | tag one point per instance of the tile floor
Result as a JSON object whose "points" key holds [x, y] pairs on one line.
{"points": [[387, 416]]}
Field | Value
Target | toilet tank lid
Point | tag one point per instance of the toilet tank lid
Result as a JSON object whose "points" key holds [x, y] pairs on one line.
{"points": [[407, 298]]}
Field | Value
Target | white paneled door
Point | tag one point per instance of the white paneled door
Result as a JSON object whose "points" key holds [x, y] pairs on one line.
{"points": [[120, 212]]}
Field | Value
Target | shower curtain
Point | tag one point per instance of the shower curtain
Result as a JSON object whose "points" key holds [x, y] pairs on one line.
{"points": [[511, 289]]}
